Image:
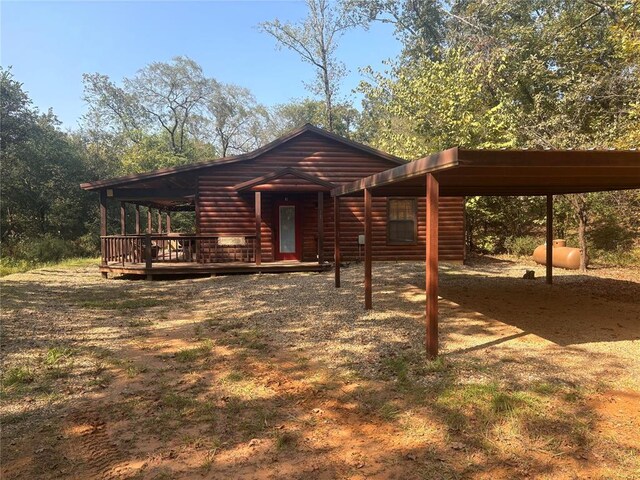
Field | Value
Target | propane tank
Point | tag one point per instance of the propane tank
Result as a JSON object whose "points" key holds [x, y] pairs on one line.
{"points": [[563, 256]]}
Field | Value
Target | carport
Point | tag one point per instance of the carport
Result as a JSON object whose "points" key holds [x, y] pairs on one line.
{"points": [[467, 172]]}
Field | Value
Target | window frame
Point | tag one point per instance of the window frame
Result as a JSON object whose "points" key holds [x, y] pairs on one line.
{"points": [[414, 201]]}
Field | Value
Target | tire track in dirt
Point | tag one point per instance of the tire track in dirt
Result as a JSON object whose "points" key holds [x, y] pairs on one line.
{"points": [[94, 453]]}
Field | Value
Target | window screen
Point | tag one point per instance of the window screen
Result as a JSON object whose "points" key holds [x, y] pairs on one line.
{"points": [[401, 220]]}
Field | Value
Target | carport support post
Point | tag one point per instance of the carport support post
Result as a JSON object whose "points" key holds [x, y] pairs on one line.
{"points": [[320, 228], [431, 265], [258, 247], [549, 259], [368, 304], [336, 239]]}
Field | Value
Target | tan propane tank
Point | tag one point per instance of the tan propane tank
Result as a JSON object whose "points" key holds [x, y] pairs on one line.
{"points": [[563, 256]]}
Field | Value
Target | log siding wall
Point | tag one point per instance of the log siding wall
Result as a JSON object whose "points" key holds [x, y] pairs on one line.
{"points": [[221, 210]]}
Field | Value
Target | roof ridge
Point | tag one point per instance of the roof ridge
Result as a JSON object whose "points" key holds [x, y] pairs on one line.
{"points": [[307, 127]]}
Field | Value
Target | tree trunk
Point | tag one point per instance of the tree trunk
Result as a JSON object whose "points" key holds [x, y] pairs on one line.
{"points": [[579, 202]]}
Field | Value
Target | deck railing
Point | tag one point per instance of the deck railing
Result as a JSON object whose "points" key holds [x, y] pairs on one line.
{"points": [[174, 248]]}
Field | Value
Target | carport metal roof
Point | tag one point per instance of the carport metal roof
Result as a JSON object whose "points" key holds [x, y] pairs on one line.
{"points": [[465, 172]]}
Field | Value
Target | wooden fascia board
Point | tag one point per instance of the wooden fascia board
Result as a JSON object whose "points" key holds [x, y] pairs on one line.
{"points": [[282, 173], [430, 164]]}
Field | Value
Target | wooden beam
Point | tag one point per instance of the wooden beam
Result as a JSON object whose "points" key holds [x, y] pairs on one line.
{"points": [[320, 228], [168, 222], [149, 220], [258, 246], [123, 219], [159, 221], [368, 303], [431, 267], [131, 194], [103, 213], [549, 259], [137, 219], [336, 239]]}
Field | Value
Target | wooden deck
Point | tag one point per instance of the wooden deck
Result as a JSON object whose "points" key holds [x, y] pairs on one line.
{"points": [[186, 268]]}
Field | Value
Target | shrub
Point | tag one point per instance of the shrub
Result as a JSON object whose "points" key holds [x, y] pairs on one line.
{"points": [[44, 249], [522, 246]]}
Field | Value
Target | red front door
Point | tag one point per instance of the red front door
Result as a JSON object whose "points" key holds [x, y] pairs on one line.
{"points": [[288, 237]]}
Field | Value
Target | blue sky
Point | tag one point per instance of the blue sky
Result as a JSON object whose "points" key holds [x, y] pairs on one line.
{"points": [[51, 44]]}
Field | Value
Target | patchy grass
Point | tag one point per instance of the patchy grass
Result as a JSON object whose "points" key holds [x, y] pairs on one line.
{"points": [[9, 266], [18, 375], [120, 303], [57, 355], [188, 355]]}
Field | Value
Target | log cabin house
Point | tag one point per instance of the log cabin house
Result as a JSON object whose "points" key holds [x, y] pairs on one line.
{"points": [[268, 210]]}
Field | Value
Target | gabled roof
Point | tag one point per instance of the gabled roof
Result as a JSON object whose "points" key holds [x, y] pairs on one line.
{"points": [[284, 172], [469, 172], [119, 181]]}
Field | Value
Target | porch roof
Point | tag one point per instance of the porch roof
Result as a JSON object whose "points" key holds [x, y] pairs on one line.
{"points": [[286, 180], [466, 172]]}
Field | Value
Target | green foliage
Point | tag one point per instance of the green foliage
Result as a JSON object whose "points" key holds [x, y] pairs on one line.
{"points": [[296, 113], [151, 152], [47, 248], [522, 246], [493, 220], [530, 74], [430, 105]]}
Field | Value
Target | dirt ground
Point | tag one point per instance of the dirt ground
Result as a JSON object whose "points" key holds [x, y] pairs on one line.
{"points": [[284, 376]]}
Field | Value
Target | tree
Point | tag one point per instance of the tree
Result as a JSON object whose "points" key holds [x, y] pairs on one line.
{"points": [[316, 39], [529, 74], [40, 170], [161, 97], [236, 120], [292, 115]]}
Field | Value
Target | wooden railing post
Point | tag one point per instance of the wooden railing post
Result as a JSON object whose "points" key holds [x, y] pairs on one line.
{"points": [[148, 261], [123, 218]]}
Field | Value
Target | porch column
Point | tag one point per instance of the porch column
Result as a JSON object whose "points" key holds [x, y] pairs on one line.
{"points": [[103, 228], [258, 245], [149, 220], [168, 222], [320, 228], [159, 221], [123, 219], [368, 304], [137, 219], [336, 239], [431, 266], [549, 259]]}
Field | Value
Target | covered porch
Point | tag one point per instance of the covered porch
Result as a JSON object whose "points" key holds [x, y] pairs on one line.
{"points": [[147, 245]]}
